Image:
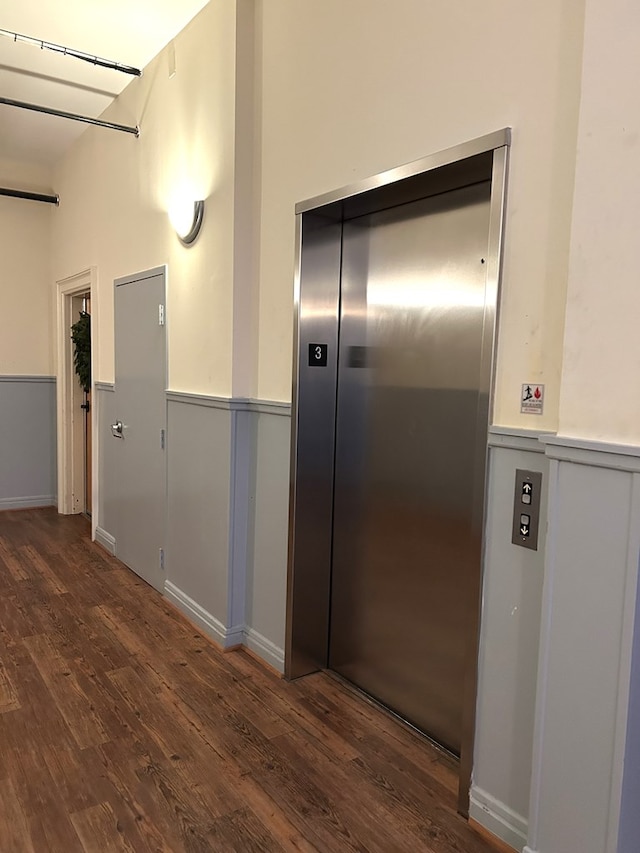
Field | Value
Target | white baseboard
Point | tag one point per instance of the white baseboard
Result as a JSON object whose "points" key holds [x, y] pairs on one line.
{"points": [[28, 502], [498, 818], [263, 647], [238, 635], [106, 540], [529, 850], [209, 624]]}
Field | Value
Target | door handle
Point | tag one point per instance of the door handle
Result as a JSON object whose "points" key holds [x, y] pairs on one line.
{"points": [[116, 430]]}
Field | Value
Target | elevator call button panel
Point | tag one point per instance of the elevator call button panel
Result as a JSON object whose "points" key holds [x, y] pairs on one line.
{"points": [[526, 509]]}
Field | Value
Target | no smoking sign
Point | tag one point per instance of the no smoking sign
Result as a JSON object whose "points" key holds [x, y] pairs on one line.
{"points": [[532, 399]]}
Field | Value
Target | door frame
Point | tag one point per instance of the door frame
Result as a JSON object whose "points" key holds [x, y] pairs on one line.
{"points": [[70, 430]]}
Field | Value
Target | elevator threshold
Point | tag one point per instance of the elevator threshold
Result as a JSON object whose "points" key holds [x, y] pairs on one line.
{"points": [[397, 718]]}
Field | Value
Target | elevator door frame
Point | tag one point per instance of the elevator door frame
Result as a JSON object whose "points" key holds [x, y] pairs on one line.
{"points": [[316, 320]]}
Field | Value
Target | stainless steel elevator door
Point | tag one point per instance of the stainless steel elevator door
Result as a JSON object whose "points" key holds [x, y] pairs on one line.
{"points": [[410, 446]]}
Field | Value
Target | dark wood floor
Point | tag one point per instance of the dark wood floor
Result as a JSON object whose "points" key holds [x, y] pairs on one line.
{"points": [[123, 728]]}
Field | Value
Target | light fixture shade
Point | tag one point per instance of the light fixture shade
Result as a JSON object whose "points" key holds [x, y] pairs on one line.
{"points": [[187, 220]]}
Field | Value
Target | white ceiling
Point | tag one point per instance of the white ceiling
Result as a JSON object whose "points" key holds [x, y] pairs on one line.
{"points": [[130, 32]]}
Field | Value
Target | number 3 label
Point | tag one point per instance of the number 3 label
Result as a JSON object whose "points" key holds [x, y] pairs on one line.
{"points": [[318, 355]]}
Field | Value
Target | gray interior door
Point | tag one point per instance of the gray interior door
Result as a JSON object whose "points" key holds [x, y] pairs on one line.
{"points": [[410, 449], [138, 433]]}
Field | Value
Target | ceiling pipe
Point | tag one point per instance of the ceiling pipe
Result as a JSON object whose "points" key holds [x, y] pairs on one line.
{"points": [[76, 54], [135, 131], [29, 196]]}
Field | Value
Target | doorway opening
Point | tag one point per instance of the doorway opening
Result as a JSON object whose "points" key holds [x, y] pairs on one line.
{"points": [[77, 451], [396, 298], [81, 339]]}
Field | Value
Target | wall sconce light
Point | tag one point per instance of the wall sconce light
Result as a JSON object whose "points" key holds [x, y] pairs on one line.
{"points": [[186, 218]]}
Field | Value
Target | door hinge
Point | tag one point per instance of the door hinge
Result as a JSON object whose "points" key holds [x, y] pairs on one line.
{"points": [[162, 439], [161, 560], [161, 315]]}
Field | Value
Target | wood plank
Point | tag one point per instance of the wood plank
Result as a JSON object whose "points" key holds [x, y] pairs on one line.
{"points": [[17, 613], [69, 776], [49, 825], [145, 818], [79, 712], [12, 562], [30, 557], [15, 826], [9, 700], [240, 830], [99, 829], [190, 756]]}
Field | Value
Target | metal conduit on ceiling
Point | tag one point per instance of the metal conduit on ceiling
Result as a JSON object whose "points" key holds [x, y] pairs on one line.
{"points": [[75, 54], [68, 51], [30, 196], [135, 131]]}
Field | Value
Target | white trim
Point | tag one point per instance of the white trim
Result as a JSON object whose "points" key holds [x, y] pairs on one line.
{"points": [[226, 637], [105, 539], [517, 439], [234, 404], [597, 454], [498, 818], [209, 624], [25, 503], [206, 400], [16, 377], [270, 407], [263, 647], [67, 288], [109, 387], [528, 849]]}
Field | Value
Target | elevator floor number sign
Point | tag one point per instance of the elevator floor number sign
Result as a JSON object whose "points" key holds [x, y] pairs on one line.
{"points": [[318, 354], [532, 399]]}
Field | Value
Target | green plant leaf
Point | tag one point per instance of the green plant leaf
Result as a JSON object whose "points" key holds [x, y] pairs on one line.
{"points": [[81, 337]]}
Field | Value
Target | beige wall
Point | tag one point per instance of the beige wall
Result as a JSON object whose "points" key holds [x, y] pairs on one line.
{"points": [[25, 273], [601, 370], [351, 89], [344, 91], [115, 192]]}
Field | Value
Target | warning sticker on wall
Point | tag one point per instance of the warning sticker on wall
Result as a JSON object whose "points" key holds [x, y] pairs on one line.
{"points": [[532, 399]]}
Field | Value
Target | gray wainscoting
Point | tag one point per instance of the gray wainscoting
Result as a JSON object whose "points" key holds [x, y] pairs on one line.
{"points": [[581, 796], [510, 633], [266, 591], [227, 481], [629, 832], [199, 513], [27, 441], [107, 497]]}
